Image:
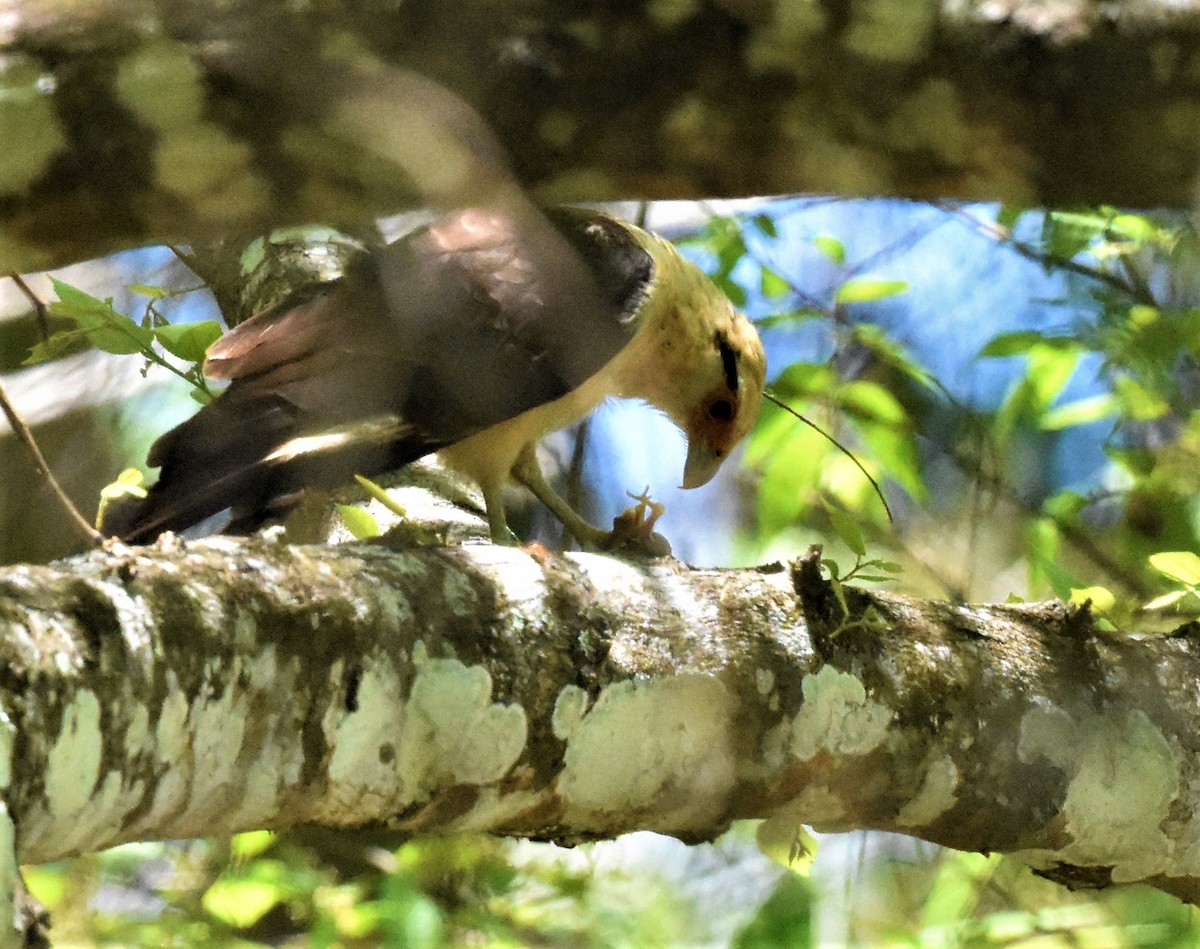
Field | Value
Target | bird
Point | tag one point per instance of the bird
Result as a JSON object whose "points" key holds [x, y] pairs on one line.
{"points": [[475, 336]]}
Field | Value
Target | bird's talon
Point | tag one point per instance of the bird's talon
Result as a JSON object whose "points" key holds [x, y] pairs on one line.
{"points": [[633, 529]]}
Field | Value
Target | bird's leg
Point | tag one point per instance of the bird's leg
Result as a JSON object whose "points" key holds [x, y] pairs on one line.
{"points": [[528, 472], [493, 500]]}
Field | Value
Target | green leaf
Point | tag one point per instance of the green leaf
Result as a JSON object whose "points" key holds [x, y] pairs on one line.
{"points": [[1079, 412], [240, 903], [772, 285], [1167, 599], [189, 341], [1067, 233], [894, 449], [1102, 598], [1137, 401], [832, 248], [765, 224], [1008, 215], [358, 522], [866, 290], [98, 322], [1181, 565], [892, 352], [845, 526], [129, 483], [1016, 343], [873, 401]]}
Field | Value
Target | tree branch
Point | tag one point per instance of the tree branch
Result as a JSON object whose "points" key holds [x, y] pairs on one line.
{"points": [[176, 120], [208, 687]]}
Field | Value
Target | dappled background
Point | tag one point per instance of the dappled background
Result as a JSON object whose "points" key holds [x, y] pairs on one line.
{"points": [[1020, 385]]}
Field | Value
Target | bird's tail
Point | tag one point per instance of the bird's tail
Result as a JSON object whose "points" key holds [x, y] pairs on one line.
{"points": [[213, 461]]}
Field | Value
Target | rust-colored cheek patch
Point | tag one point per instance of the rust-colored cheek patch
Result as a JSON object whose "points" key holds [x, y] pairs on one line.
{"points": [[715, 421]]}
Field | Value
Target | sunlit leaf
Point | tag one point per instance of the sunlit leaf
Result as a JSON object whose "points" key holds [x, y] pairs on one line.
{"points": [[129, 483], [1137, 401], [1080, 412], [788, 317], [240, 902], [866, 290], [358, 522], [1101, 598], [1008, 215], [1167, 599], [772, 285], [894, 449], [1181, 565], [832, 248]]}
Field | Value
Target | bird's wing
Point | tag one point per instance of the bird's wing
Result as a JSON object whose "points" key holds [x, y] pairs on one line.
{"points": [[468, 322]]}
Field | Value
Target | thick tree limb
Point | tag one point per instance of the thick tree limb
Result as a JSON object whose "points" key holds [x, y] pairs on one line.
{"points": [[208, 687], [136, 122]]}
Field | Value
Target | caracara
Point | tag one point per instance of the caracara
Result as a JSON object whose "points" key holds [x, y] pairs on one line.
{"points": [[474, 336]]}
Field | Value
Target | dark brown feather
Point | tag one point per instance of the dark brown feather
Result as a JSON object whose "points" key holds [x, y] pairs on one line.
{"points": [[465, 323]]}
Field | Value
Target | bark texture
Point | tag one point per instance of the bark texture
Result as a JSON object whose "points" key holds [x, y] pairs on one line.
{"points": [[136, 121], [209, 687]]}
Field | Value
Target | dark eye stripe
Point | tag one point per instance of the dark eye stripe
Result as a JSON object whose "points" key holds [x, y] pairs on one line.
{"points": [[728, 362]]}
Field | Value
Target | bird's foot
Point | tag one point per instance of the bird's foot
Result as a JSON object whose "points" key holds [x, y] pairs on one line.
{"points": [[633, 529]]}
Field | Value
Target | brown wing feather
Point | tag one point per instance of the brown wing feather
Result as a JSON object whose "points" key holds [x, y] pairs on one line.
{"points": [[469, 322]]}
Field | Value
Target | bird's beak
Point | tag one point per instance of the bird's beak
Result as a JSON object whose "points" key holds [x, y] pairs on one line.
{"points": [[702, 463]]}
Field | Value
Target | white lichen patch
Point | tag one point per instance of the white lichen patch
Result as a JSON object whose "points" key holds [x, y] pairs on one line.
{"points": [[393, 752], [935, 797], [458, 594], [569, 709], [359, 772], [662, 745], [73, 765], [453, 732], [837, 716], [1123, 777]]}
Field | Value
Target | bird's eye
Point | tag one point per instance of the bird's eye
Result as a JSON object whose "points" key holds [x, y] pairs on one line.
{"points": [[721, 411]]}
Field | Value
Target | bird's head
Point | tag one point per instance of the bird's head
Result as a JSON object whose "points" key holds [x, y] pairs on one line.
{"points": [[706, 366]]}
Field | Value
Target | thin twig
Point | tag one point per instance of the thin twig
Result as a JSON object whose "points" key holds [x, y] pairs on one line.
{"points": [[39, 307], [839, 446], [39, 461]]}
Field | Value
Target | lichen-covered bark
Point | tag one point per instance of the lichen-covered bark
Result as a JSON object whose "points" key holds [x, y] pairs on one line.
{"points": [[132, 121], [208, 687]]}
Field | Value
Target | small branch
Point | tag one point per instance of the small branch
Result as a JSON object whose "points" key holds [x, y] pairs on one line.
{"points": [[39, 461], [39, 308]]}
